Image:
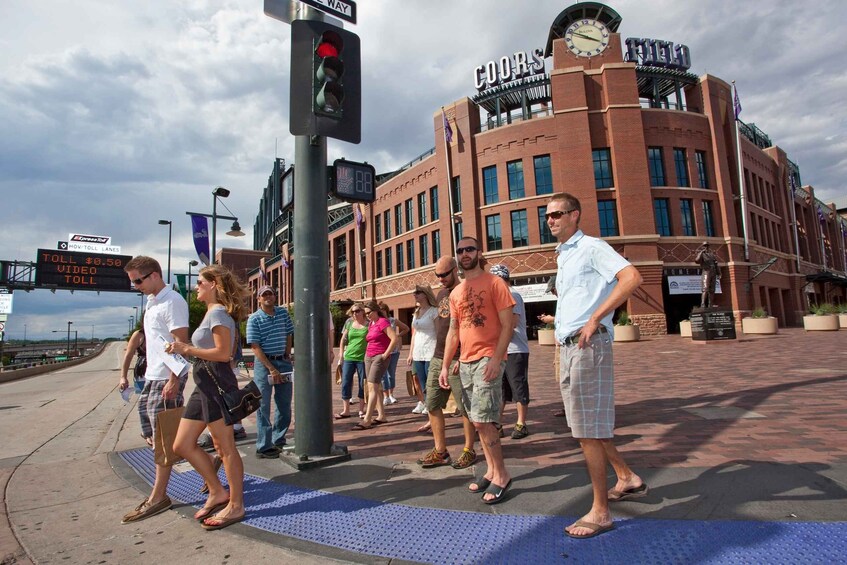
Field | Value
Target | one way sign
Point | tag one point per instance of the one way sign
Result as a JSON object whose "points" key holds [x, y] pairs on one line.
{"points": [[343, 9]]}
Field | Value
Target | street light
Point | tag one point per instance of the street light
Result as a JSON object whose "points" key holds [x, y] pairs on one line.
{"points": [[191, 263], [135, 320], [235, 231], [168, 223], [129, 331], [68, 349]]}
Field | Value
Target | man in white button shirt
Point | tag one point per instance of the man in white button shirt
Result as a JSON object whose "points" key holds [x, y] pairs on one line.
{"points": [[166, 315]]}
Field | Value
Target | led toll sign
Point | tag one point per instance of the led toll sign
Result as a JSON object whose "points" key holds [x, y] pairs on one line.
{"points": [[81, 271], [353, 181]]}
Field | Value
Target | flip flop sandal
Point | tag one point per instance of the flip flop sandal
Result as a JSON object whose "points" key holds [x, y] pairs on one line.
{"points": [[596, 529], [219, 523], [361, 426], [481, 485], [377, 422], [629, 494], [217, 462], [498, 492], [341, 416], [209, 512]]}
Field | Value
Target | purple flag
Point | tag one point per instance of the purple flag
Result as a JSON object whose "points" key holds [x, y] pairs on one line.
{"points": [[820, 214], [736, 104], [357, 211], [793, 184], [200, 229], [448, 131]]}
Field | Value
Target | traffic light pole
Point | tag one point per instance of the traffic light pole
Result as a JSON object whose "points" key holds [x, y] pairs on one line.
{"points": [[313, 436]]}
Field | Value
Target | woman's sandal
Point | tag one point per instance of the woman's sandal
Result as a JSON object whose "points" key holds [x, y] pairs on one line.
{"points": [[361, 426], [209, 512]]}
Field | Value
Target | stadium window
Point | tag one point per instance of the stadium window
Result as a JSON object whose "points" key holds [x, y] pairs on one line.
{"points": [[602, 159]]}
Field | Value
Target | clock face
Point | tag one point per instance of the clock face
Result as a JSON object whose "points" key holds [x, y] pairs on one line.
{"points": [[587, 38]]}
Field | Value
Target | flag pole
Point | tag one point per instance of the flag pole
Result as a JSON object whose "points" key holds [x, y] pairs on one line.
{"points": [[820, 231], [448, 137], [793, 189], [736, 107], [360, 219]]}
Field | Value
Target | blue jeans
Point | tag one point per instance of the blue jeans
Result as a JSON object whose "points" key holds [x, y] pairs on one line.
{"points": [[389, 381], [421, 368], [268, 436], [347, 370]]}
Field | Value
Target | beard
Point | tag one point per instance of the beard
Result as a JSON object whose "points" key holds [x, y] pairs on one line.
{"points": [[471, 264]]}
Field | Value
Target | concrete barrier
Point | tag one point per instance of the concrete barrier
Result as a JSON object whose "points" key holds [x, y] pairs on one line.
{"points": [[7, 375]]}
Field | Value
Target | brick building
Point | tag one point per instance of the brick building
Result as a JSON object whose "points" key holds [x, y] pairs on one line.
{"points": [[650, 150]]}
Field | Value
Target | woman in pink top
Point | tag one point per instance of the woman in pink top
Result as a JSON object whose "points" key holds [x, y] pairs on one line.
{"points": [[382, 340]]}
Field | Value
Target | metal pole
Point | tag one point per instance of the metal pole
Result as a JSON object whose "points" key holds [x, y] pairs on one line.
{"points": [[214, 226], [313, 392], [68, 348], [170, 233]]}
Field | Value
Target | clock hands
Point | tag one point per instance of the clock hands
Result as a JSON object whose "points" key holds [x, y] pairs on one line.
{"points": [[584, 36]]}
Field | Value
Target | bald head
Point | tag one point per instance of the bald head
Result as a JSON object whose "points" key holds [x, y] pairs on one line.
{"points": [[444, 264]]}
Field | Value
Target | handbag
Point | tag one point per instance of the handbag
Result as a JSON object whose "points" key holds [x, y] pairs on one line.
{"points": [[411, 382], [167, 423], [238, 403], [338, 374]]}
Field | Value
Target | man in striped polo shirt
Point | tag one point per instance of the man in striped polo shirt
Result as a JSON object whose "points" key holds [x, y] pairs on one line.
{"points": [[268, 331]]}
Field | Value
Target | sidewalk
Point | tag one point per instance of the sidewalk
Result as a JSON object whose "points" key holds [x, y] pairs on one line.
{"points": [[743, 444]]}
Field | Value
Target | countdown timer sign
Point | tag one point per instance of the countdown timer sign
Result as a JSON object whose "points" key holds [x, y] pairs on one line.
{"points": [[75, 270]]}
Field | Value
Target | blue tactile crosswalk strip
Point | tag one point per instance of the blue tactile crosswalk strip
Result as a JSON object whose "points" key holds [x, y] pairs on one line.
{"points": [[432, 535]]}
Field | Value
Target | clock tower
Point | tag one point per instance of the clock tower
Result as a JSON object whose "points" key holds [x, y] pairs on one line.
{"points": [[588, 34]]}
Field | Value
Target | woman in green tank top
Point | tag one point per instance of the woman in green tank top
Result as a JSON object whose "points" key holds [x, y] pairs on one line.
{"points": [[351, 357]]}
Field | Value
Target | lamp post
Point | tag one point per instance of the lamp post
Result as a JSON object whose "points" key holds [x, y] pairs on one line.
{"points": [[129, 330], [235, 231], [191, 263], [168, 223], [68, 347], [135, 318]]}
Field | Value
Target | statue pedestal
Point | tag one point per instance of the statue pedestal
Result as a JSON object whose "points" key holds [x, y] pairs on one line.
{"points": [[712, 324]]}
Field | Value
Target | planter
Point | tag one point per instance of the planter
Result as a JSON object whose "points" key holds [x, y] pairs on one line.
{"points": [[842, 320], [685, 328], [546, 337], [759, 325], [627, 333], [813, 323]]}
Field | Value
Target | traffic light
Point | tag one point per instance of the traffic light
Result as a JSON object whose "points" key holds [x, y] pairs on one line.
{"points": [[326, 97]]}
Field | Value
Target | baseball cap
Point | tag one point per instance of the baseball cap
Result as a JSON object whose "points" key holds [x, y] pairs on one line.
{"points": [[500, 271], [265, 288]]}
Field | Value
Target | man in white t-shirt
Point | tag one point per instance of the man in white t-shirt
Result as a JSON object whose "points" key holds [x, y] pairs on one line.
{"points": [[166, 316], [516, 375]]}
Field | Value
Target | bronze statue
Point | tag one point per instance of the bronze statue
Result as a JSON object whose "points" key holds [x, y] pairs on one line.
{"points": [[708, 262]]}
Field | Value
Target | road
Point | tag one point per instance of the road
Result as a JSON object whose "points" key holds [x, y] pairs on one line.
{"points": [[63, 499]]}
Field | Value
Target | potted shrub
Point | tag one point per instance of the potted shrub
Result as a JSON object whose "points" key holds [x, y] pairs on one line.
{"points": [[822, 318], [759, 323], [625, 330], [685, 328], [547, 335], [842, 315]]}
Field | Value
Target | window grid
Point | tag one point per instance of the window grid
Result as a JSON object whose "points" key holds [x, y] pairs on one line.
{"points": [[388, 269], [493, 233], [424, 249], [433, 201], [378, 258], [410, 215], [702, 175], [602, 168], [657, 166], [489, 183], [514, 172], [398, 254], [398, 221], [687, 213], [436, 244], [608, 212], [680, 160], [410, 254], [663, 220], [543, 175], [708, 218], [386, 216], [520, 231], [457, 195], [378, 228], [422, 208]]}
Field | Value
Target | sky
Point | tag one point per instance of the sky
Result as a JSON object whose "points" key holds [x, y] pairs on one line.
{"points": [[114, 115]]}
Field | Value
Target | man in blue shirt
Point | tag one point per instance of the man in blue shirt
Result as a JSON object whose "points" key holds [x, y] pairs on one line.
{"points": [[268, 331], [592, 280]]}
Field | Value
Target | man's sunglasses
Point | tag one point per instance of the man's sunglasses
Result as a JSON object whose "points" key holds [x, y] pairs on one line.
{"points": [[468, 249], [556, 214], [442, 275], [137, 282]]}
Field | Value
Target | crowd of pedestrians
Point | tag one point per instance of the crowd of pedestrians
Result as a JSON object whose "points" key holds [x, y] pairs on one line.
{"points": [[467, 341]]}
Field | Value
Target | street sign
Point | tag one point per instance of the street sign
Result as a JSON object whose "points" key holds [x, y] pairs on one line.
{"points": [[289, 10], [2, 326], [63, 245], [6, 301], [81, 271], [93, 247], [353, 181], [344, 9]]}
